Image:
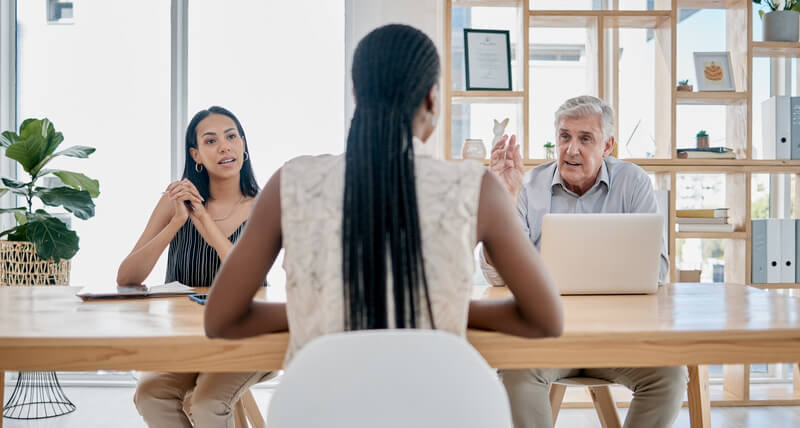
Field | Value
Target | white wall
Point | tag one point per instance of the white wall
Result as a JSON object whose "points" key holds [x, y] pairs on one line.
{"points": [[363, 16]]}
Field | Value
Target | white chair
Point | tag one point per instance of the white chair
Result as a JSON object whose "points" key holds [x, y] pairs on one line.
{"points": [[389, 378]]}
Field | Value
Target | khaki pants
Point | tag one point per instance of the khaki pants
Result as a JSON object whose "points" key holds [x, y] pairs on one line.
{"points": [[159, 397], [657, 393]]}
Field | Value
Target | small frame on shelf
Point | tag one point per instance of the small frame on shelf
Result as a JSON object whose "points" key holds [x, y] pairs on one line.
{"points": [[713, 70], [487, 59]]}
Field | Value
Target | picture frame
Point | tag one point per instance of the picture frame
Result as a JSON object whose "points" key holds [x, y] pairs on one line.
{"points": [[713, 71], [487, 59]]}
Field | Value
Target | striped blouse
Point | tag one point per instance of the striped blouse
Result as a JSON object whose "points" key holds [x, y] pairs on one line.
{"points": [[191, 260]]}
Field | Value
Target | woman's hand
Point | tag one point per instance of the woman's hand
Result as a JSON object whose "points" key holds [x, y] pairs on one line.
{"points": [[186, 200]]}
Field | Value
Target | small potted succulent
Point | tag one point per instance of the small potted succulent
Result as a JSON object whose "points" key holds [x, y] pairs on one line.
{"points": [[683, 85], [780, 25], [549, 151], [702, 139]]}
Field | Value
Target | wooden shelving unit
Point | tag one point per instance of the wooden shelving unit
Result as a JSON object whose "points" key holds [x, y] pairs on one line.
{"points": [[602, 29]]}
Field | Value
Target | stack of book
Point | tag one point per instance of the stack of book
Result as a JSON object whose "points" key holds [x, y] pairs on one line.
{"points": [[707, 153], [703, 220]]}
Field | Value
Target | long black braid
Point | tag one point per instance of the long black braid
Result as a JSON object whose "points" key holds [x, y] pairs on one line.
{"points": [[394, 68]]}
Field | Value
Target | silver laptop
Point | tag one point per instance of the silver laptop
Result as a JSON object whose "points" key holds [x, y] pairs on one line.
{"points": [[603, 253]]}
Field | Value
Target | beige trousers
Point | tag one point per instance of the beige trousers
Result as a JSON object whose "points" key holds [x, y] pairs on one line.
{"points": [[159, 398], [657, 393]]}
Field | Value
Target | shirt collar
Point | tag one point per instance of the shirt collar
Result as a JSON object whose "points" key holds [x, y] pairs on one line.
{"points": [[601, 178]]}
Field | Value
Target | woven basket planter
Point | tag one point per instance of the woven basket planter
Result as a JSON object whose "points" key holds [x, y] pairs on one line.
{"points": [[19, 265]]}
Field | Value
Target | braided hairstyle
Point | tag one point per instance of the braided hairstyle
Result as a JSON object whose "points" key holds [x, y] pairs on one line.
{"points": [[394, 69]]}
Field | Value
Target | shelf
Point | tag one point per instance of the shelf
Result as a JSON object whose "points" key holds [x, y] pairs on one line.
{"points": [[486, 3], [775, 49], [611, 18], [710, 98], [712, 4], [711, 235], [491, 97]]}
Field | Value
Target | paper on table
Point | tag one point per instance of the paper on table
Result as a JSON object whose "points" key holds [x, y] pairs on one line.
{"points": [[170, 289]]}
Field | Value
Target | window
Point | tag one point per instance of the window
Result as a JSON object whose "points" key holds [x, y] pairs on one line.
{"points": [[103, 83], [284, 82]]}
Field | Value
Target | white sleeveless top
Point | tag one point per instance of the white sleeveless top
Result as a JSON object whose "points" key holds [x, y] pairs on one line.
{"points": [[312, 193]]}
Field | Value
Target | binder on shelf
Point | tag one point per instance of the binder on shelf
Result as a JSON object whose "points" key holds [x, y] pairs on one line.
{"points": [[788, 270], [796, 249], [773, 250], [795, 128], [758, 268], [776, 127]]}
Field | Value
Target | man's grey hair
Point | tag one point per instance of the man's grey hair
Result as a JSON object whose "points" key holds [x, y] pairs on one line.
{"points": [[586, 105]]}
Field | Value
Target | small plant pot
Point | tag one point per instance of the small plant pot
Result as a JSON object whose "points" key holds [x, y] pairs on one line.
{"points": [[20, 265], [781, 26], [685, 88], [549, 153], [702, 142]]}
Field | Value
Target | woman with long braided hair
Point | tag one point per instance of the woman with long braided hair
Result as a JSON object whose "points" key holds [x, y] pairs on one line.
{"points": [[378, 237]]}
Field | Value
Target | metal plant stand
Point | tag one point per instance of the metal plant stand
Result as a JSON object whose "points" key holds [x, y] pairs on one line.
{"points": [[37, 395]]}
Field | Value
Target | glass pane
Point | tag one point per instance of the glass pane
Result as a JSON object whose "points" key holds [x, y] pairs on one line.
{"points": [[691, 119], [260, 78], [700, 191], [486, 18], [638, 135], [760, 195], [104, 82], [558, 55], [475, 121], [706, 255], [699, 30]]}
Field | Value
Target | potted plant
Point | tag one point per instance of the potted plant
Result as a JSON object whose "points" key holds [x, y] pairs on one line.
{"points": [[702, 139], [780, 25], [38, 248], [683, 85], [549, 151]]}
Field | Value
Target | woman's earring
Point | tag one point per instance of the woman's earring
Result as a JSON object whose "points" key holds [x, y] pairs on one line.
{"points": [[246, 157], [198, 168]]}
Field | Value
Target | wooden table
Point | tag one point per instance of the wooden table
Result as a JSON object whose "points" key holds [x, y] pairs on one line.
{"points": [[48, 328]]}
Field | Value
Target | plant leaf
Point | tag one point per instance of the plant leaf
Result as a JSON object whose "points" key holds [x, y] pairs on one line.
{"points": [[3, 191], [28, 152], [73, 152], [12, 210], [78, 202], [7, 138], [78, 181], [20, 217], [51, 236], [19, 233], [13, 183]]}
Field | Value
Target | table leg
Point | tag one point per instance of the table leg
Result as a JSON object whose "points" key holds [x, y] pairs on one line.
{"points": [[699, 403], [796, 380]]}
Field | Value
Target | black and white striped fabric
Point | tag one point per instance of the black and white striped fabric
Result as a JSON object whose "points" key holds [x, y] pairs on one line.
{"points": [[191, 260]]}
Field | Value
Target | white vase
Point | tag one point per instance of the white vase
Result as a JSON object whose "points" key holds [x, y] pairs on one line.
{"points": [[473, 149]]}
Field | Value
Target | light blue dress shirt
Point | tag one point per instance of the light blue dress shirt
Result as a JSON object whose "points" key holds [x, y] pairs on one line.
{"points": [[621, 187]]}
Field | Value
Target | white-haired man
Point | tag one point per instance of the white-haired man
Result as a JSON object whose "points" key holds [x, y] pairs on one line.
{"points": [[584, 179]]}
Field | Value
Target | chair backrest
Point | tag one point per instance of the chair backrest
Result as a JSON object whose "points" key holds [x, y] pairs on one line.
{"points": [[389, 378]]}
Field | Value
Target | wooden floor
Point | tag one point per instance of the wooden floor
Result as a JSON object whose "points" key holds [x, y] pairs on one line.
{"points": [[113, 406]]}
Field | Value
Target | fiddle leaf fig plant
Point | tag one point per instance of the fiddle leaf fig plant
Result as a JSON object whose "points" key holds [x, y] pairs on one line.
{"points": [[33, 148]]}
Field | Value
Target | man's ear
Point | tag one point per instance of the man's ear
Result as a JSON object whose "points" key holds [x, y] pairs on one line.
{"points": [[609, 146]]}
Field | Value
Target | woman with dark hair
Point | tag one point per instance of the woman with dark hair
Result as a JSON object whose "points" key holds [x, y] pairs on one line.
{"points": [[199, 217], [378, 237]]}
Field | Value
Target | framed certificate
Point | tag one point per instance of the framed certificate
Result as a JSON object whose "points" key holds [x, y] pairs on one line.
{"points": [[487, 59]]}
